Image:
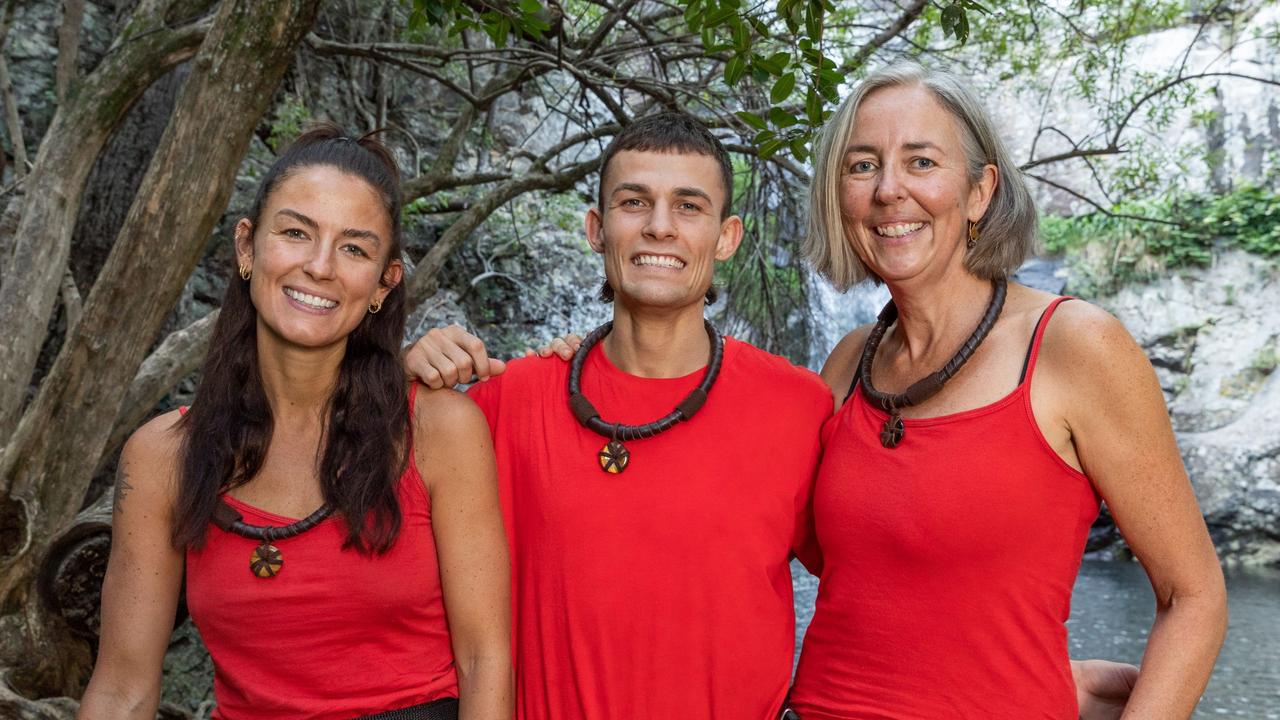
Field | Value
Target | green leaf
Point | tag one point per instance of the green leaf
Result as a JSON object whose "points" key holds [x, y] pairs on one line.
{"points": [[718, 16], [693, 15], [781, 58], [782, 88], [734, 69], [782, 118], [768, 148], [800, 148], [529, 7], [752, 119], [813, 107], [764, 136]]}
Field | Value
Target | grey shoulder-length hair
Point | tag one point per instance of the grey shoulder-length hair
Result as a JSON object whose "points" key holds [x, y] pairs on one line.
{"points": [[1006, 232]]}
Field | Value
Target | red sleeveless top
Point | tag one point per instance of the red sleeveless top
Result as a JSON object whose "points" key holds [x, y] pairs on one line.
{"points": [[335, 634], [949, 564]]}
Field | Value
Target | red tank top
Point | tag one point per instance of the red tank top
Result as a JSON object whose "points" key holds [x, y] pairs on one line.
{"points": [[336, 634], [949, 565]]}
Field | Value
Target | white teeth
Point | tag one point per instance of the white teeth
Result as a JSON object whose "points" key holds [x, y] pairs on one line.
{"points": [[659, 260], [898, 229], [312, 300]]}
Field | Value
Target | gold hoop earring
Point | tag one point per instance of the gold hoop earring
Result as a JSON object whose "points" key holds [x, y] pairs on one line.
{"points": [[375, 306], [245, 272], [973, 235]]}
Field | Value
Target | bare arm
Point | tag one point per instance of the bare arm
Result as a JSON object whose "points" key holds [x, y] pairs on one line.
{"points": [[1119, 429], [144, 573], [455, 458]]}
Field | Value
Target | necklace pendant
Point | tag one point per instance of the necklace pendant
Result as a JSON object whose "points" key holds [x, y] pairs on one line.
{"points": [[614, 457], [266, 560], [892, 431]]}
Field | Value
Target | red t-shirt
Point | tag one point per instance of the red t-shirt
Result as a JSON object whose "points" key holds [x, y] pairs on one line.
{"points": [[663, 591], [335, 634], [949, 563]]}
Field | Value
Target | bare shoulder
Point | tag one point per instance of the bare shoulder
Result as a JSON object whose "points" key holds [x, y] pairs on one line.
{"points": [[150, 461], [1086, 348], [841, 365], [440, 410], [1083, 332], [445, 417]]}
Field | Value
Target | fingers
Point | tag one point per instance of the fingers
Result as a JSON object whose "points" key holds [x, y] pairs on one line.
{"points": [[563, 349], [574, 340], [447, 356]]}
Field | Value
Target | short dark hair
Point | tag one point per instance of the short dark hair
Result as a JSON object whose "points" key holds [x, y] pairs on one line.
{"points": [[670, 132]]}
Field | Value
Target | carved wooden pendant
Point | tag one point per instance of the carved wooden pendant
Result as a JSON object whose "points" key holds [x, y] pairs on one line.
{"points": [[614, 457], [892, 431], [266, 560]]}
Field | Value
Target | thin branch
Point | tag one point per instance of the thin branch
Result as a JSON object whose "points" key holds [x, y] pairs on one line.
{"points": [[425, 279], [68, 46], [893, 30], [1098, 206]]}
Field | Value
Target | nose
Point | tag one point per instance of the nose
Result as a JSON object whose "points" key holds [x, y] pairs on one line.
{"points": [[660, 225], [889, 189], [320, 263]]}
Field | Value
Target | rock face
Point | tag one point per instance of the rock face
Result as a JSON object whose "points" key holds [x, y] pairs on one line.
{"points": [[1213, 336]]}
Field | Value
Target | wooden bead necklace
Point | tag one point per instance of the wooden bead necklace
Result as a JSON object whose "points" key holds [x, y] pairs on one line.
{"points": [[893, 430], [614, 456], [266, 560]]}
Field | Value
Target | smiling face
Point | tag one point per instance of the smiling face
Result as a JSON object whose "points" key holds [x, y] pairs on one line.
{"points": [[319, 256], [660, 228], [906, 195]]}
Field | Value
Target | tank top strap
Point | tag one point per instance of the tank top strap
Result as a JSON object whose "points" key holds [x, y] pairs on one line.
{"points": [[1033, 348]]}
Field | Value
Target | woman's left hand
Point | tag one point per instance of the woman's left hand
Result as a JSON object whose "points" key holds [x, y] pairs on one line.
{"points": [[1102, 687]]}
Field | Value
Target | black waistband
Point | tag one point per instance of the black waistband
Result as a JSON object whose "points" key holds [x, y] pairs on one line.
{"points": [[443, 709]]}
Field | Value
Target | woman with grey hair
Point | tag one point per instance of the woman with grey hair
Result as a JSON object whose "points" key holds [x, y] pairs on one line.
{"points": [[981, 423]]}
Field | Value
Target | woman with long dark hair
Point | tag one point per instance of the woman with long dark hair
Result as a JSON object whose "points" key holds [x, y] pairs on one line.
{"points": [[327, 516]]}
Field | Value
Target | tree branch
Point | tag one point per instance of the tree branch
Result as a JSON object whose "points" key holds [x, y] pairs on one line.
{"points": [[424, 281], [893, 30], [68, 46], [176, 358], [1098, 206], [76, 136]]}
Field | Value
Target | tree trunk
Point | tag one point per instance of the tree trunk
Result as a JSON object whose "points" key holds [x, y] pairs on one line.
{"points": [[30, 279], [48, 464]]}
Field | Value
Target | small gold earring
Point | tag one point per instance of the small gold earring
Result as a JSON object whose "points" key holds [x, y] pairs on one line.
{"points": [[245, 272], [375, 306], [973, 235]]}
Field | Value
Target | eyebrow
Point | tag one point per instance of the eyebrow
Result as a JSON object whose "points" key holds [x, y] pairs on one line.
{"points": [[348, 232], [872, 150], [645, 190]]}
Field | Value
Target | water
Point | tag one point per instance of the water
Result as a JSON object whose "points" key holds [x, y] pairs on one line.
{"points": [[1111, 613]]}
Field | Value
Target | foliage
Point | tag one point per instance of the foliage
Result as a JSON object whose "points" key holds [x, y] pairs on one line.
{"points": [[290, 117], [1136, 240]]}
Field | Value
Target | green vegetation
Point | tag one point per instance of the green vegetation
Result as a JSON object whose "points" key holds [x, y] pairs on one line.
{"points": [[1137, 240]]}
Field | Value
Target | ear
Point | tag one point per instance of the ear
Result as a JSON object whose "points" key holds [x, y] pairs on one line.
{"points": [[593, 224], [391, 277], [982, 191], [730, 237], [244, 242]]}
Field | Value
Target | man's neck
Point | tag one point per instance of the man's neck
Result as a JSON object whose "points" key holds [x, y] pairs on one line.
{"points": [[658, 344]]}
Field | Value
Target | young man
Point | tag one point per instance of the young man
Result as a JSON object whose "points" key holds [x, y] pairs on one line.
{"points": [[651, 576], [661, 590]]}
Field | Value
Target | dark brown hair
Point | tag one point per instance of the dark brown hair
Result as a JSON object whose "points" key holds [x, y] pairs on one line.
{"points": [[228, 429], [668, 132]]}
